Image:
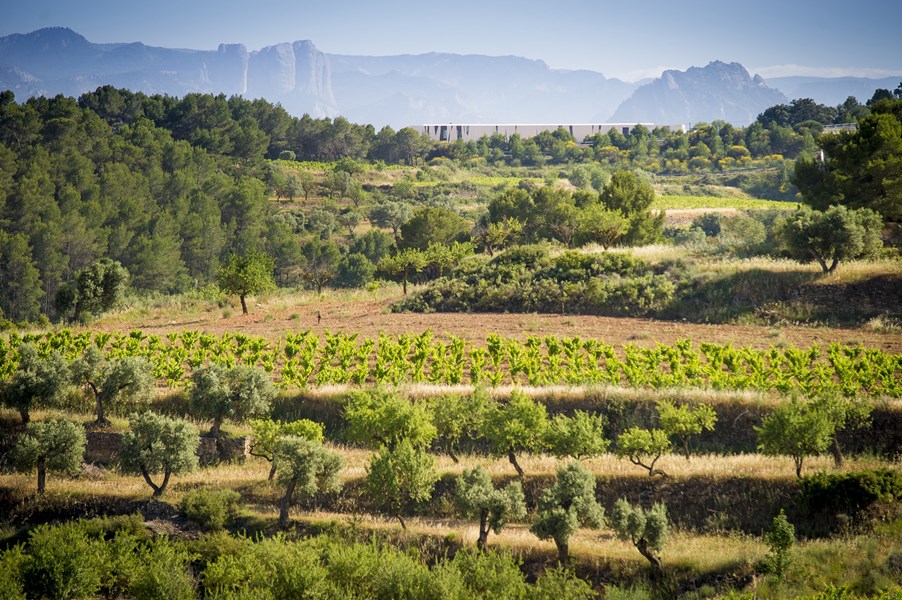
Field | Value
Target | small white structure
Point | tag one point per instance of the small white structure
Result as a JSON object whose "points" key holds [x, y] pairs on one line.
{"points": [[451, 132]]}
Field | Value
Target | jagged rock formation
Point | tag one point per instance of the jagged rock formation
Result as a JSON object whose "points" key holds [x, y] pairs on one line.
{"points": [[717, 91], [396, 90], [58, 60], [400, 90]]}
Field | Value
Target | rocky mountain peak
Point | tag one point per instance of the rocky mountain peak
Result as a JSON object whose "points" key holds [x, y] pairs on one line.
{"points": [[719, 90]]}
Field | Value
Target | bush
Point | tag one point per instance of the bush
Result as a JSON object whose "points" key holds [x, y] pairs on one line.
{"points": [[63, 562], [780, 538], [559, 583], [11, 563], [532, 256], [162, 573], [850, 492], [271, 568], [490, 574], [212, 509]]}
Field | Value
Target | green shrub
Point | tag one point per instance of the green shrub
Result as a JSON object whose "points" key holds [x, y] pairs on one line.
{"points": [[560, 583], [109, 527], [376, 571], [12, 562], [780, 538], [850, 492], [296, 569], [493, 574], [212, 509], [63, 562], [532, 256], [162, 573]]}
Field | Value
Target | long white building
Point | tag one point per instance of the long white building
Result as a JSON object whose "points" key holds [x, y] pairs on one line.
{"points": [[451, 132]]}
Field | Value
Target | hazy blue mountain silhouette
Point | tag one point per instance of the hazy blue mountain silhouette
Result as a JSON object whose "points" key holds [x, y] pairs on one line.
{"points": [[405, 89]]}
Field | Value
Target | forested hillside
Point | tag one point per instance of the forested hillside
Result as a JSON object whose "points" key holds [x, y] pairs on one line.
{"points": [[171, 187]]}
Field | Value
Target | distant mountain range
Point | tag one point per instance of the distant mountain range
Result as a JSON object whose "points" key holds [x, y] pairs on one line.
{"points": [[718, 91], [407, 89]]}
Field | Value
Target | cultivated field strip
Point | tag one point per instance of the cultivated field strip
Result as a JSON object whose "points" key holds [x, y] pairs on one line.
{"points": [[306, 359]]}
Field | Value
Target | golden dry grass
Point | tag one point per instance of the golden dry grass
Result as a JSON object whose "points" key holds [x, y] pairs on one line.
{"points": [[252, 474], [702, 553]]}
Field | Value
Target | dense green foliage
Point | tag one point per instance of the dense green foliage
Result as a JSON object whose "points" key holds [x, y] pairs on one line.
{"points": [[212, 509], [56, 446], [514, 427], [646, 529], [798, 429], [267, 433], [156, 444], [861, 167], [238, 393], [458, 417], [384, 419], [85, 559], [162, 194], [567, 506], [126, 381], [97, 288], [476, 497], [850, 493], [245, 276], [400, 478], [578, 436], [780, 538], [685, 421], [643, 447], [528, 279], [833, 235], [36, 380], [305, 359], [305, 467]]}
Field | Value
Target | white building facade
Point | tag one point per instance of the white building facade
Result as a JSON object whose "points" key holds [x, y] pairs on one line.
{"points": [[452, 132]]}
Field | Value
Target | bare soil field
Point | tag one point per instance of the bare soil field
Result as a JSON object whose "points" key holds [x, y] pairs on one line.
{"points": [[369, 317]]}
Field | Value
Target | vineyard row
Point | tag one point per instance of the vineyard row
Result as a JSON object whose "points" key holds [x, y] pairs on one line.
{"points": [[305, 359]]}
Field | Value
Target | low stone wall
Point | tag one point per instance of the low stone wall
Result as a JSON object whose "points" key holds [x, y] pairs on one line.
{"points": [[214, 450], [103, 446]]}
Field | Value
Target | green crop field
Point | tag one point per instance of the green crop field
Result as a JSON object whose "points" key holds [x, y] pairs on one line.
{"points": [[701, 202]]}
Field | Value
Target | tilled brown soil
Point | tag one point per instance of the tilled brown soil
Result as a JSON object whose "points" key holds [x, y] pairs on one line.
{"points": [[368, 318]]}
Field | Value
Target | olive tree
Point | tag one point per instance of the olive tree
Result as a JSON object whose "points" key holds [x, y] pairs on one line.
{"points": [[38, 381], [566, 506], [236, 393], [646, 529], [246, 275], [267, 434], [515, 427], [400, 478], [57, 446], [835, 234], [578, 436], [476, 498], [99, 287], [128, 380], [305, 467], [158, 444], [797, 429], [684, 421], [643, 447]]}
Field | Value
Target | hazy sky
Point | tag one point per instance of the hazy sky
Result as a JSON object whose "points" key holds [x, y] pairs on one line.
{"points": [[626, 39]]}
